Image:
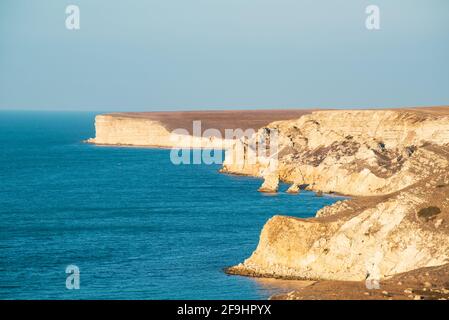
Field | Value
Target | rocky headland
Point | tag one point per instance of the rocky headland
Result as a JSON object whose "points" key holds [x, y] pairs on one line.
{"points": [[394, 166], [158, 129]]}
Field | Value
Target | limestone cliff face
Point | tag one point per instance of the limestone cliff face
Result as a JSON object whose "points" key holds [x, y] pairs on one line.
{"points": [[134, 131], [354, 152], [114, 130], [395, 163], [155, 129]]}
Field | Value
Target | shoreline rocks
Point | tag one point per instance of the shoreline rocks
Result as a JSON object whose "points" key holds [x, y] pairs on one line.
{"points": [[391, 163], [394, 165], [270, 184]]}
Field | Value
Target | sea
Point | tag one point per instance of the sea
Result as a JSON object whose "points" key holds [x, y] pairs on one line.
{"points": [[79, 221]]}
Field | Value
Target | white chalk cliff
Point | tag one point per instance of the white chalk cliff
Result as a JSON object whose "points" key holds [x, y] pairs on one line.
{"points": [[133, 131], [395, 164]]}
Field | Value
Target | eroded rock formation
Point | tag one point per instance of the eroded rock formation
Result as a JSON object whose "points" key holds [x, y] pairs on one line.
{"points": [[394, 163]]}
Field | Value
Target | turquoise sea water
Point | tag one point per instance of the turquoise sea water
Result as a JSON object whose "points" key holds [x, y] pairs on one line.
{"points": [[137, 226]]}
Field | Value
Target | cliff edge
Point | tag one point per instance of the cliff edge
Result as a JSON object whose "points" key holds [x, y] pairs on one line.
{"points": [[392, 163], [158, 129], [395, 165]]}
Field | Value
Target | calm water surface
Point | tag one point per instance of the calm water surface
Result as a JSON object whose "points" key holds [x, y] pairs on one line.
{"points": [[137, 226]]}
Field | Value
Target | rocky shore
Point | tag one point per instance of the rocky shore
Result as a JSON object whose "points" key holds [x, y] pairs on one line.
{"points": [[393, 231], [394, 164]]}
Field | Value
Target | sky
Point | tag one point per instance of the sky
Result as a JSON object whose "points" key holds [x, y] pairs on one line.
{"points": [[222, 54]]}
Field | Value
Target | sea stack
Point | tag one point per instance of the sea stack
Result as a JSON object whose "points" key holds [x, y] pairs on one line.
{"points": [[270, 184], [293, 189]]}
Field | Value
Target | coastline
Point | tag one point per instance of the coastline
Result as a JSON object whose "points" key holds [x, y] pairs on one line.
{"points": [[398, 157]]}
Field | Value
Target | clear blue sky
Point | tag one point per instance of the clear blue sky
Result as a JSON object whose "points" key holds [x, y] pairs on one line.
{"points": [[207, 54]]}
